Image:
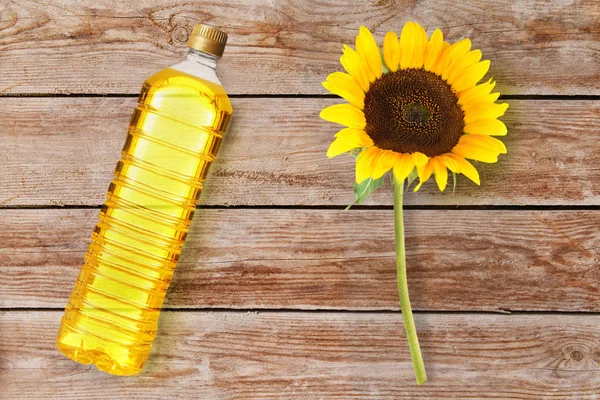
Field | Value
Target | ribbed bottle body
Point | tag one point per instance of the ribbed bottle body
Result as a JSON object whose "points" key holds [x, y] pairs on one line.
{"points": [[175, 132]]}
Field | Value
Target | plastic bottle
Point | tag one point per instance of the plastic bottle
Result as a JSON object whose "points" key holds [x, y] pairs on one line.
{"points": [[111, 317]]}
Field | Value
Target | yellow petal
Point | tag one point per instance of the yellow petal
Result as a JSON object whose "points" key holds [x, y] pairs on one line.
{"points": [[466, 168], [348, 139], [452, 53], [364, 163], [385, 161], [356, 136], [419, 159], [485, 142], [475, 153], [474, 108], [344, 114], [420, 45], [367, 49], [470, 76], [356, 67], [407, 45], [449, 162], [491, 127], [344, 86], [466, 61], [441, 173], [403, 167], [475, 103], [434, 49], [339, 146], [445, 46], [476, 93], [485, 111], [424, 173], [391, 51]]}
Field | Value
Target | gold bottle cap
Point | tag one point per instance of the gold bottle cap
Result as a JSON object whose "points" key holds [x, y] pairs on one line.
{"points": [[208, 39]]}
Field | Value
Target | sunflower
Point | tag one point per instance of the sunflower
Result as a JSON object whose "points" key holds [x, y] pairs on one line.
{"points": [[417, 105]]}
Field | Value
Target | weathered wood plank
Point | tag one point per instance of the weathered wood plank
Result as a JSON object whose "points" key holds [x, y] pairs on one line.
{"points": [[63, 151], [330, 259], [319, 355], [58, 47]]}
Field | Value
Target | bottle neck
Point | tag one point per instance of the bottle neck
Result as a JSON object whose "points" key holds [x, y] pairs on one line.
{"points": [[205, 59], [199, 64]]}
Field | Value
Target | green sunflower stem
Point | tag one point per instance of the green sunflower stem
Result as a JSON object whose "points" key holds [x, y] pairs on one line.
{"points": [[407, 315]]}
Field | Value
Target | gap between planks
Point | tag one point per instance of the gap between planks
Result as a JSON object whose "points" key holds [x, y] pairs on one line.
{"points": [[294, 96], [363, 207], [331, 311]]}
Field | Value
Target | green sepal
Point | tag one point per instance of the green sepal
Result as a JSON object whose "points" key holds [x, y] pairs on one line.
{"points": [[410, 179], [364, 189], [355, 152], [384, 68], [454, 184]]}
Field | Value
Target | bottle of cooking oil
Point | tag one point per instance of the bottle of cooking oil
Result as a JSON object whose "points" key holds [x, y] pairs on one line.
{"points": [[177, 126]]}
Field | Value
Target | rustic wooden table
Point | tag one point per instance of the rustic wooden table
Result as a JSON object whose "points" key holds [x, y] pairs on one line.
{"points": [[280, 294]]}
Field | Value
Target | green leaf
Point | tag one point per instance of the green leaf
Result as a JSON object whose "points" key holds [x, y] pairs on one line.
{"points": [[364, 189]]}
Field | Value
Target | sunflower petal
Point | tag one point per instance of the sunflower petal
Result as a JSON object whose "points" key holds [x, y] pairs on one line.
{"points": [[367, 49], [403, 167], [445, 46], [344, 114], [485, 142], [450, 163], [356, 67], [357, 135], [492, 127], [391, 51], [424, 172], [475, 153], [420, 45], [386, 160], [419, 159], [479, 102], [466, 168], [484, 102], [484, 112], [407, 44], [344, 86], [348, 139], [452, 53], [339, 146], [476, 93], [462, 64], [433, 50], [441, 173], [471, 75], [364, 163]]}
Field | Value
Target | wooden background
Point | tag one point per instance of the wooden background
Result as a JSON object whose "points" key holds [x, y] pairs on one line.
{"points": [[280, 294]]}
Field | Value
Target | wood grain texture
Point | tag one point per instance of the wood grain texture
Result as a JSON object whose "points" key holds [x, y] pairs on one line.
{"points": [[204, 355], [59, 46], [63, 151], [330, 259]]}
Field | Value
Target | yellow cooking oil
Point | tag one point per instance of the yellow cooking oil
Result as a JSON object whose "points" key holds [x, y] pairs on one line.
{"points": [[175, 132]]}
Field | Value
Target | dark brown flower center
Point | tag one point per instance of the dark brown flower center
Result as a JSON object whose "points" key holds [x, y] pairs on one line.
{"points": [[413, 110]]}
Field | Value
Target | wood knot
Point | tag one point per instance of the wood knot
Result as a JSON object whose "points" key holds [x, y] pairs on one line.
{"points": [[577, 355], [180, 34]]}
